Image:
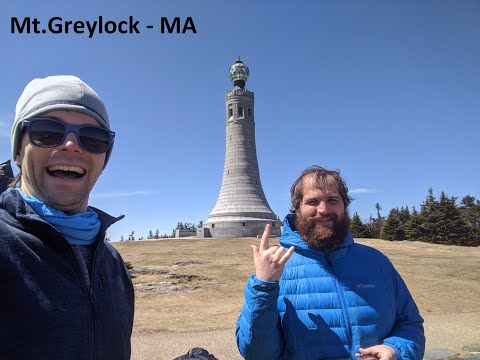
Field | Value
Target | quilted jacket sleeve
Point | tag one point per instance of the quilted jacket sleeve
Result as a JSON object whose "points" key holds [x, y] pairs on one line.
{"points": [[258, 330], [406, 337]]}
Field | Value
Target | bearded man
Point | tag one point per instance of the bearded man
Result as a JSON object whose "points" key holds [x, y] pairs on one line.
{"points": [[326, 297]]}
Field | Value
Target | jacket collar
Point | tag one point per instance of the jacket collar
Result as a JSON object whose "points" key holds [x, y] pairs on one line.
{"points": [[12, 202], [290, 236]]}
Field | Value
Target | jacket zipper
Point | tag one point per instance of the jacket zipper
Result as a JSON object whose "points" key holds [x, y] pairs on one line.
{"points": [[347, 316], [91, 293], [93, 299], [348, 323]]}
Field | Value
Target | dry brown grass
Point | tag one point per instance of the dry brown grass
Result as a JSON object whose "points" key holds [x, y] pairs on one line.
{"points": [[443, 280], [224, 263]]}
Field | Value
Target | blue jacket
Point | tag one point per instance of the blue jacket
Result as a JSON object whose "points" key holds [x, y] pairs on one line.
{"points": [[49, 309], [327, 306]]}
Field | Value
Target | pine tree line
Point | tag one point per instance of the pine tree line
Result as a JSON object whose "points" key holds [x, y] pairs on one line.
{"points": [[438, 221]]}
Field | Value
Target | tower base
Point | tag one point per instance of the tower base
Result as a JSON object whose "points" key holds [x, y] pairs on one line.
{"points": [[239, 228]]}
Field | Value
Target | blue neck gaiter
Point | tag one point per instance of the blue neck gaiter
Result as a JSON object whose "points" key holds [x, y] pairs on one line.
{"points": [[78, 229]]}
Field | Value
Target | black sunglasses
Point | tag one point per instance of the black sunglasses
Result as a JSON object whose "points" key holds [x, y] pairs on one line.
{"points": [[48, 133]]}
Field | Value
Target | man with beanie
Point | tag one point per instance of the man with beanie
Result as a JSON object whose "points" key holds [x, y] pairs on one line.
{"points": [[65, 291]]}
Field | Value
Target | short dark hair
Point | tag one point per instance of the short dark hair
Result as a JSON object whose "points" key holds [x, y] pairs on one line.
{"points": [[320, 176]]}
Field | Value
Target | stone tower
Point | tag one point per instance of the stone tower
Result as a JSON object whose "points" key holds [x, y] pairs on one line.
{"points": [[241, 209]]}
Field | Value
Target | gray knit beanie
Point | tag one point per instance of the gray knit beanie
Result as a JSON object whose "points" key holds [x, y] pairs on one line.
{"points": [[63, 92]]}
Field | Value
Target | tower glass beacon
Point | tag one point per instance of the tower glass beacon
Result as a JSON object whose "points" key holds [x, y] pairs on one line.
{"points": [[241, 209]]}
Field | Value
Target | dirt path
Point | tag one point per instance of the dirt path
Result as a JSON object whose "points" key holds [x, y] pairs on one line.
{"points": [[220, 343], [443, 332]]}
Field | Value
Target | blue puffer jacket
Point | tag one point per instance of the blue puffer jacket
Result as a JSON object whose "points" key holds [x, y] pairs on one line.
{"points": [[328, 306], [49, 309]]}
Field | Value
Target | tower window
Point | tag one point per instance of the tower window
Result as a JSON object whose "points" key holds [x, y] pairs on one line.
{"points": [[243, 224], [249, 112], [213, 225], [230, 112], [273, 224], [240, 111]]}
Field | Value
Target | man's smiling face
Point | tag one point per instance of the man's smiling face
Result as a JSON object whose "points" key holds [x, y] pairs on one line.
{"points": [[322, 219], [62, 176]]}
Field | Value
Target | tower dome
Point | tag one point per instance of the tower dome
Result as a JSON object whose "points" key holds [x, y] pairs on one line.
{"points": [[239, 73]]}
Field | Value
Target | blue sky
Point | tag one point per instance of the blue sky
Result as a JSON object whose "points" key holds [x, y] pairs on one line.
{"points": [[386, 91]]}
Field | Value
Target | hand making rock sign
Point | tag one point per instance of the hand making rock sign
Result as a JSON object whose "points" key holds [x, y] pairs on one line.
{"points": [[270, 261]]}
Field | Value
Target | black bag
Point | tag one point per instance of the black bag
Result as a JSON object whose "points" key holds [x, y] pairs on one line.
{"points": [[197, 354]]}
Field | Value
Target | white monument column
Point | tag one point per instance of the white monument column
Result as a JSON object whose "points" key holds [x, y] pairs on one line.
{"points": [[241, 209]]}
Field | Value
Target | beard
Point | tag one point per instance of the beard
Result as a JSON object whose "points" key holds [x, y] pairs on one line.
{"points": [[322, 237]]}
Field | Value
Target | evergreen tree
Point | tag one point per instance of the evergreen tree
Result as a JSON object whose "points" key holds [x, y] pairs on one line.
{"points": [[373, 228], [374, 225], [413, 227], [157, 234], [150, 235], [430, 218], [404, 215], [357, 228], [442, 222], [378, 208], [189, 226], [470, 213], [452, 229], [393, 227]]}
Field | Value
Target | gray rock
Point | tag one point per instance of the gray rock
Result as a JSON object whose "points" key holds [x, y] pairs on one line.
{"points": [[472, 348], [471, 357], [439, 354]]}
